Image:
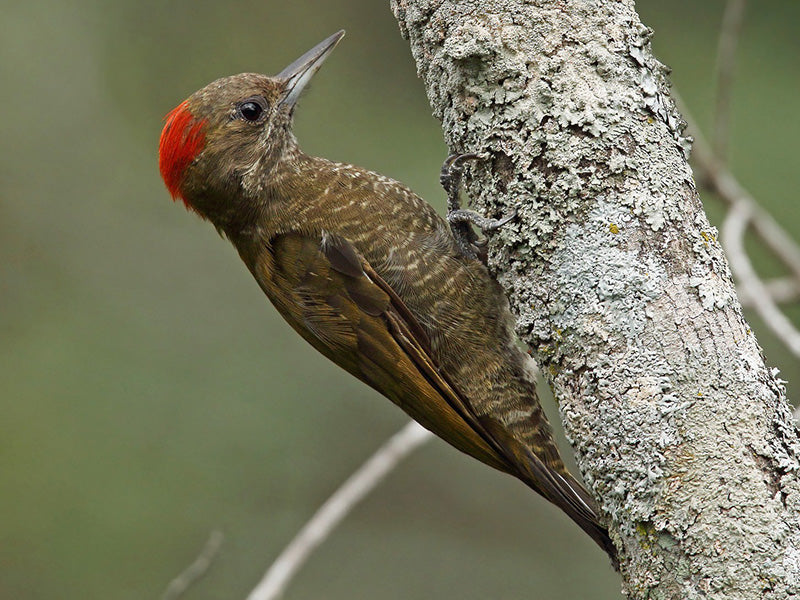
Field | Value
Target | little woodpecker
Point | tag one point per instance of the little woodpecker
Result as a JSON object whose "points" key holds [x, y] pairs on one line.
{"points": [[369, 274]]}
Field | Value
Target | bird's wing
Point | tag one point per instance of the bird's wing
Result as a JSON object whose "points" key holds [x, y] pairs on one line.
{"points": [[334, 298]]}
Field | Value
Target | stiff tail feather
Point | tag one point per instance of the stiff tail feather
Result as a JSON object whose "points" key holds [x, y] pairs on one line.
{"points": [[575, 501], [560, 489]]}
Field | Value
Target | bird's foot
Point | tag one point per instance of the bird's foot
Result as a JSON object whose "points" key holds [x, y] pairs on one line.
{"points": [[486, 225], [450, 178], [460, 220]]}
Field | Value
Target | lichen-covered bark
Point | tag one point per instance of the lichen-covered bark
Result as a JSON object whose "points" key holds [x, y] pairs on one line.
{"points": [[620, 286]]}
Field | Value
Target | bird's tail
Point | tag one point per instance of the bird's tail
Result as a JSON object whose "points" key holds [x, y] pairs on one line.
{"points": [[575, 501], [554, 483]]}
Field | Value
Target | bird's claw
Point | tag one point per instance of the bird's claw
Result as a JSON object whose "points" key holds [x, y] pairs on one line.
{"points": [[498, 223], [460, 219]]}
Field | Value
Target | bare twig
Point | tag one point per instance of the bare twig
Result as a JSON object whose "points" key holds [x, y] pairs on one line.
{"points": [[726, 62], [336, 508], [782, 290], [733, 229], [197, 569], [777, 239]]}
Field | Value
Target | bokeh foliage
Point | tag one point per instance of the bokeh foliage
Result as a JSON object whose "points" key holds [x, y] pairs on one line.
{"points": [[148, 392]]}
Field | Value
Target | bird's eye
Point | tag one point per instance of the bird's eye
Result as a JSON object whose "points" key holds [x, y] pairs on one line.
{"points": [[252, 109]]}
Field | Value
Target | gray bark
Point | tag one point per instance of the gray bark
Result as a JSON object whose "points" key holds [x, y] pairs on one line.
{"points": [[620, 286]]}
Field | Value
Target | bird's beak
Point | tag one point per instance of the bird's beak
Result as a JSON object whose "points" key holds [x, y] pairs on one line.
{"points": [[297, 75]]}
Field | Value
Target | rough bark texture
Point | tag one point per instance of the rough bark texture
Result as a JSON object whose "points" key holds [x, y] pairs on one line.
{"points": [[620, 286]]}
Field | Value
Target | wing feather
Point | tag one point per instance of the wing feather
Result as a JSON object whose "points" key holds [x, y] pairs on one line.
{"points": [[337, 302]]}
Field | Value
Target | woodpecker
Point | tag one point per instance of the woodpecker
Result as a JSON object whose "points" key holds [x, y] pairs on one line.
{"points": [[369, 274]]}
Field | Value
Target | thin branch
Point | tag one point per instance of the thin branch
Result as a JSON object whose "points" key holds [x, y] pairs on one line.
{"points": [[178, 586], [336, 508], [733, 229], [782, 290], [777, 239], [726, 63]]}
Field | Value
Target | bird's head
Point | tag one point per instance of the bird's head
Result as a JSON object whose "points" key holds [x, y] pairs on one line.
{"points": [[219, 144]]}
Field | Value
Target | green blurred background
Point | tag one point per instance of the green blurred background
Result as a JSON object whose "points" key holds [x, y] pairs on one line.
{"points": [[149, 394]]}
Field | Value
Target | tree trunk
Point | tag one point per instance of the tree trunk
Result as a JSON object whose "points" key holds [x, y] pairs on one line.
{"points": [[620, 286]]}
